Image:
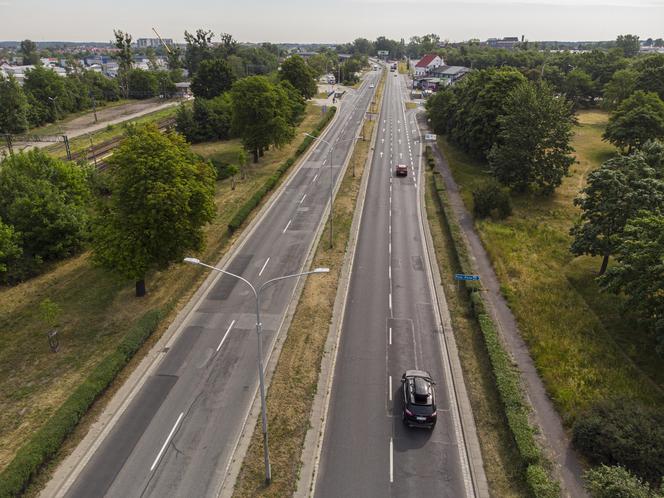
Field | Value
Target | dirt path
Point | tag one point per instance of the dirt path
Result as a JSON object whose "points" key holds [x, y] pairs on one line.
{"points": [[556, 439]]}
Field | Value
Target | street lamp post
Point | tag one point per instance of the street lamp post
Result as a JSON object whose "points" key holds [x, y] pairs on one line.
{"points": [[330, 150], [259, 332]]}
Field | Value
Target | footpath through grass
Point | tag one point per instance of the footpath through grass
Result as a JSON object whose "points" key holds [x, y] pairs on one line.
{"points": [[584, 348], [293, 386], [98, 310]]}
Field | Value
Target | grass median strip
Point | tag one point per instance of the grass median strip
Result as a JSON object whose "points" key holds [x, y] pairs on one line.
{"points": [[293, 386]]}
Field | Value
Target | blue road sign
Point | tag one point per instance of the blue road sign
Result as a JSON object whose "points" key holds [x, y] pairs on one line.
{"points": [[461, 276]]}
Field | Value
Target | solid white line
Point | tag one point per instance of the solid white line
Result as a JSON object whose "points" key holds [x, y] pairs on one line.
{"points": [[262, 269], [224, 338], [289, 222], [391, 462], [390, 391], [303, 197], [170, 435]]}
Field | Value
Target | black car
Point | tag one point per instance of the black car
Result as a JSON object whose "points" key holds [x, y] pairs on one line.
{"points": [[419, 399]]}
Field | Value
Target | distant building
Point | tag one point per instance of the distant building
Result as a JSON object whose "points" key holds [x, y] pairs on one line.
{"points": [[18, 72], [508, 42], [427, 63], [152, 42], [449, 74]]}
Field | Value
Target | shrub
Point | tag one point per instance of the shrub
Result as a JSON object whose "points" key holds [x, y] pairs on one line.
{"points": [[623, 432], [540, 483], [490, 199], [617, 482]]}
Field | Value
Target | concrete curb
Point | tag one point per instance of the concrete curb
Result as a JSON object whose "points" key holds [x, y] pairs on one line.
{"points": [[314, 437], [233, 470], [67, 471]]}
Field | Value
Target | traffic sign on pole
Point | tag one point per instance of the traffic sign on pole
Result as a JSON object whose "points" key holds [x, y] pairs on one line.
{"points": [[461, 276]]}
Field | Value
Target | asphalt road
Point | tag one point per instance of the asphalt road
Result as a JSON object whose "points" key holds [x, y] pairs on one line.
{"points": [[178, 435], [390, 325]]}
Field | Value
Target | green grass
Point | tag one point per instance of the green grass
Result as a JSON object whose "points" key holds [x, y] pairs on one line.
{"points": [[584, 348], [98, 310]]}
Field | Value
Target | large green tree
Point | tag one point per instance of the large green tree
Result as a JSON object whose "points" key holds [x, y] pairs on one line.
{"points": [[206, 119], [45, 200], [579, 87], [639, 270], [162, 195], [615, 193], [300, 75], [629, 44], [213, 77], [638, 119], [13, 106], [261, 114], [28, 50], [142, 84], [199, 48], [46, 94], [533, 144], [620, 87]]}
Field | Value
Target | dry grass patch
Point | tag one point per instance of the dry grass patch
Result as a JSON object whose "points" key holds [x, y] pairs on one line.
{"points": [[293, 386], [97, 311]]}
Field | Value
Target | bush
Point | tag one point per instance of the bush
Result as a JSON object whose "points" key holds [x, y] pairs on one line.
{"points": [[617, 482], [540, 483], [623, 432], [490, 199], [46, 442]]}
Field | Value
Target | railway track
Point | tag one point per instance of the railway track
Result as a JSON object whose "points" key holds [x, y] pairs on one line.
{"points": [[100, 152]]}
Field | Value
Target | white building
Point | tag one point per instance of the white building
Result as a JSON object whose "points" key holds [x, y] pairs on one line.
{"points": [[427, 63]]}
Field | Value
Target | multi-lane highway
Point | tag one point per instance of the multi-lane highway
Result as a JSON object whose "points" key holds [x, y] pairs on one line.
{"points": [[391, 323], [179, 432]]}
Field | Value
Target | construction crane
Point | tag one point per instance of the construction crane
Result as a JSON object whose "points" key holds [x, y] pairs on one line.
{"points": [[162, 41]]}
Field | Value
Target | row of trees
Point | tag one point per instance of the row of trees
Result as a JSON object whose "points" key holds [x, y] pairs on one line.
{"points": [[522, 128], [262, 110]]}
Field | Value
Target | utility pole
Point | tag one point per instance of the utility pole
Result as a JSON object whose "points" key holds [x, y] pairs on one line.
{"points": [[94, 105]]}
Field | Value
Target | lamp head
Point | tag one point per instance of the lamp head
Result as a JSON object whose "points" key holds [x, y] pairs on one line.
{"points": [[192, 261], [321, 270]]}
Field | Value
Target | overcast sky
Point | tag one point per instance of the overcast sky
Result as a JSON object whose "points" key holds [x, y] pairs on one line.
{"points": [[332, 20]]}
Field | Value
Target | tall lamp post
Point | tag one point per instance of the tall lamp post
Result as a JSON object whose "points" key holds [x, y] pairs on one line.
{"points": [[259, 332], [330, 150]]}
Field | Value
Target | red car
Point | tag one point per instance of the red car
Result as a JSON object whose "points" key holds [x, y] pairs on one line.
{"points": [[401, 170]]}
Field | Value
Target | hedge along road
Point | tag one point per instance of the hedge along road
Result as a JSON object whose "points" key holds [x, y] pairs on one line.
{"points": [[178, 434]]}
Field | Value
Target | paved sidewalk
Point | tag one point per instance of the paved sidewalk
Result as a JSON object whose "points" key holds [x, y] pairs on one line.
{"points": [[556, 439]]}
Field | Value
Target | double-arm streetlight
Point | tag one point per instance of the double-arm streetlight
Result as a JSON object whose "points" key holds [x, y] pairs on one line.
{"points": [[330, 150], [259, 330]]}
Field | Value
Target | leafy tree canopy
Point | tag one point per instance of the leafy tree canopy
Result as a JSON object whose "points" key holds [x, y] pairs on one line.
{"points": [[162, 196], [299, 74], [638, 119], [213, 77], [533, 143]]}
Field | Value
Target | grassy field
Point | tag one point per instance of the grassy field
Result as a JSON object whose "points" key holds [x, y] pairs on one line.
{"points": [[293, 386], [97, 311], [502, 463], [584, 348]]}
